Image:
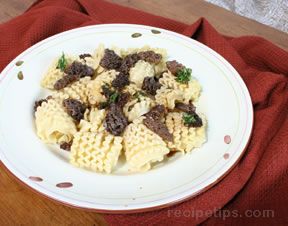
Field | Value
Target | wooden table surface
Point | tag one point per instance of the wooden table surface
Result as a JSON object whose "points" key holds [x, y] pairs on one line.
{"points": [[19, 205]]}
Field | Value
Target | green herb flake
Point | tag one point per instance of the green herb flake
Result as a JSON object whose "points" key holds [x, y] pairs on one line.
{"points": [[184, 75], [62, 62], [113, 97], [19, 63], [188, 119], [20, 75]]}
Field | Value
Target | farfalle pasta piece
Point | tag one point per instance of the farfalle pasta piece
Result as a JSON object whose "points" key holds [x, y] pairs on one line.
{"points": [[142, 146], [53, 124], [93, 121], [96, 151], [77, 90], [53, 73], [94, 88], [168, 97], [138, 107], [141, 70], [190, 91], [185, 138]]}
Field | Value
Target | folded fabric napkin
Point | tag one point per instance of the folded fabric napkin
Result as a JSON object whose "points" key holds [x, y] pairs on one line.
{"points": [[259, 181]]}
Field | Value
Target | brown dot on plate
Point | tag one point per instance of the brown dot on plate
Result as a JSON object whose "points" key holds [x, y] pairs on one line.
{"points": [[36, 179], [19, 63], [136, 35], [140, 187], [227, 139], [226, 156], [155, 31], [133, 199], [64, 185], [20, 75]]}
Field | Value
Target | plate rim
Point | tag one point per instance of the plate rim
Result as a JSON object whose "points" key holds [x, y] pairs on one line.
{"points": [[136, 209]]}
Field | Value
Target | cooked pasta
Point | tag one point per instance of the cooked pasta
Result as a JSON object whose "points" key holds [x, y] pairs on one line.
{"points": [[132, 89], [112, 101], [93, 121], [142, 146], [96, 57], [141, 70], [168, 97], [138, 107], [94, 87], [53, 124], [77, 90], [158, 68], [96, 151], [190, 91], [185, 139]]}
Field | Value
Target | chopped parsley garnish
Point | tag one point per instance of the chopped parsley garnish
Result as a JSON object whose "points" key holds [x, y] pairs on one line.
{"points": [[113, 97], [62, 62], [192, 120], [189, 119], [184, 75]]}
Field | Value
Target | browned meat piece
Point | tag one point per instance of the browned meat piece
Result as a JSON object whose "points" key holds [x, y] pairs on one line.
{"points": [[159, 128], [38, 103], [77, 68], [128, 62], [66, 146], [188, 108], [150, 85], [65, 81], [157, 112], [120, 100], [173, 66], [120, 81], [123, 99], [172, 153], [153, 122], [150, 57], [75, 108], [74, 72], [83, 56], [110, 60], [115, 121]]}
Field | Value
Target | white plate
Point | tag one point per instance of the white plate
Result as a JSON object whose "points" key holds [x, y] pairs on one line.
{"points": [[225, 101]]}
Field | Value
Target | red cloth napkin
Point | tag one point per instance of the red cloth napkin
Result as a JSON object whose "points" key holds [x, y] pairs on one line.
{"points": [[259, 181]]}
